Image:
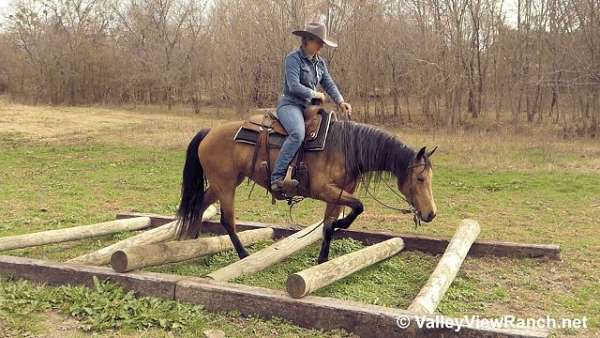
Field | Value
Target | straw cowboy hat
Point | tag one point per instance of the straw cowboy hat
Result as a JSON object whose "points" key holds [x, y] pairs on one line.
{"points": [[316, 30]]}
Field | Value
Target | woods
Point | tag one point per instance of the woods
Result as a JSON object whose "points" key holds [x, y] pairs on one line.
{"points": [[439, 62]]}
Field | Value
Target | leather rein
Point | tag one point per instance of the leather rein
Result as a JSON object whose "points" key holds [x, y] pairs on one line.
{"points": [[410, 201]]}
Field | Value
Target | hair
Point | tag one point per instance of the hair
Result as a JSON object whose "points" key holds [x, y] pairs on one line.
{"points": [[305, 39], [370, 152]]}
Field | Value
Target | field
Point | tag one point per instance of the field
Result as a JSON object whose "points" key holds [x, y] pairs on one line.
{"points": [[61, 167]]}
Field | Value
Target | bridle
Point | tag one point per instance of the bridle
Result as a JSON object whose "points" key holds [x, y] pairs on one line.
{"points": [[410, 201]]}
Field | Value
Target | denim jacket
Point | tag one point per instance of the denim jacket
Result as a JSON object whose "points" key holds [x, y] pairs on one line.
{"points": [[302, 76]]}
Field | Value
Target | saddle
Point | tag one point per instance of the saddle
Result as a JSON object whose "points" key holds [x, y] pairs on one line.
{"points": [[315, 117], [266, 131]]}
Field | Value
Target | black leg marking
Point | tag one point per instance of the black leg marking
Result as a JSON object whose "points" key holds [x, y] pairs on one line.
{"points": [[327, 237], [344, 223], [235, 240]]}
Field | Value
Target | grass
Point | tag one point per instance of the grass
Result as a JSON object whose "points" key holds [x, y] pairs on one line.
{"points": [[520, 189], [108, 309]]}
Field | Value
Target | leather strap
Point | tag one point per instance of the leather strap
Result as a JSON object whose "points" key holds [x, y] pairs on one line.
{"points": [[256, 150], [268, 149]]}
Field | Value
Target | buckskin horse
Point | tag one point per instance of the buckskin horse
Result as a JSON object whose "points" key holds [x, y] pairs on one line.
{"points": [[352, 152]]}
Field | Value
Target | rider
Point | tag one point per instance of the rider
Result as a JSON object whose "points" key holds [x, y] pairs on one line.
{"points": [[304, 70]]}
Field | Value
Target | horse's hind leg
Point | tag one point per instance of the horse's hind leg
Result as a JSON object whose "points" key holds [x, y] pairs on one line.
{"points": [[224, 164], [194, 229], [227, 199]]}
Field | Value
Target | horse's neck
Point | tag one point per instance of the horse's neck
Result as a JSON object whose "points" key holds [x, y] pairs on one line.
{"points": [[366, 149]]}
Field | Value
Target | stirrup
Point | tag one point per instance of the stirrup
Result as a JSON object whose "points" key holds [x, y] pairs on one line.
{"points": [[289, 184]]}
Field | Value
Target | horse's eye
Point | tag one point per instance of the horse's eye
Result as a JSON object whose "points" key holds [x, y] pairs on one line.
{"points": [[420, 179]]}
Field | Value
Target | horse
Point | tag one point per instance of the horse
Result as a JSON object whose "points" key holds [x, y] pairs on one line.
{"points": [[354, 152]]}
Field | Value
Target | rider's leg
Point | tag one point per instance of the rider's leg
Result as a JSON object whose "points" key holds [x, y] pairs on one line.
{"points": [[292, 119]]}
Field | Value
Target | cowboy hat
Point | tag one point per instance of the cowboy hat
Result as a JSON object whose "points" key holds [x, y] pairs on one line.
{"points": [[316, 30]]}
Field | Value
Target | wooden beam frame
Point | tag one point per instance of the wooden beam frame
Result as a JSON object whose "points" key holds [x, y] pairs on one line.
{"points": [[312, 312], [427, 244]]}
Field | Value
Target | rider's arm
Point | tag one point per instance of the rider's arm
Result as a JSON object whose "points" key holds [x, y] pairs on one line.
{"points": [[330, 86], [292, 78]]}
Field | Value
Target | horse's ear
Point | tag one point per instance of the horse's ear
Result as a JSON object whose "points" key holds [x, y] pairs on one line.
{"points": [[421, 153], [431, 152]]}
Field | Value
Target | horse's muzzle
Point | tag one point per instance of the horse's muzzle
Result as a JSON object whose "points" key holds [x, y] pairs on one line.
{"points": [[427, 218]]}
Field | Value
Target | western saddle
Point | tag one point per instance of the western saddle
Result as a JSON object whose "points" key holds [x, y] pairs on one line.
{"points": [[312, 122], [265, 130]]}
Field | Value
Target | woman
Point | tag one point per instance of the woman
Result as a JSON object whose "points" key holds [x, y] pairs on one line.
{"points": [[304, 70]]}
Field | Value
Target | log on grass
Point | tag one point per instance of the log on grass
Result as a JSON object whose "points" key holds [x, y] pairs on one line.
{"points": [[137, 257], [431, 294], [270, 255], [159, 234], [306, 281], [73, 233]]}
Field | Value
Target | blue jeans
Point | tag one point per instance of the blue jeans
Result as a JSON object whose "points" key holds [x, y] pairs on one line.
{"points": [[292, 119]]}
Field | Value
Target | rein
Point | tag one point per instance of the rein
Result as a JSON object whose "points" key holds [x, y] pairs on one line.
{"points": [[410, 210], [294, 200], [401, 210]]}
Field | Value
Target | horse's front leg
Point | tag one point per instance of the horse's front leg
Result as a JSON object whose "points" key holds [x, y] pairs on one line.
{"points": [[336, 198], [344, 223], [331, 214]]}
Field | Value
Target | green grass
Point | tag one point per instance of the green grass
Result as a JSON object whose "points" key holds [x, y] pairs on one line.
{"points": [[47, 186], [107, 307]]}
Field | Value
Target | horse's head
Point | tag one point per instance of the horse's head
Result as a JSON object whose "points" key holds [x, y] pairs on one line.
{"points": [[416, 187]]}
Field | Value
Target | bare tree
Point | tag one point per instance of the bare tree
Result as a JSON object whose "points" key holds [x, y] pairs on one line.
{"points": [[440, 62]]}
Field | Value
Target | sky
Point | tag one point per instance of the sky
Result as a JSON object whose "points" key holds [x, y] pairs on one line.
{"points": [[4, 4], [3, 7]]}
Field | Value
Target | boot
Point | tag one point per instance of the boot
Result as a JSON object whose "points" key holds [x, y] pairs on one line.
{"points": [[280, 186]]}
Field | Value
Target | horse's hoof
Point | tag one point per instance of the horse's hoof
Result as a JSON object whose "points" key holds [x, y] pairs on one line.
{"points": [[243, 255], [322, 260]]}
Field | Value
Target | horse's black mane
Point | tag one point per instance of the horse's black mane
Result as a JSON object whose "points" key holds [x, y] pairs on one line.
{"points": [[369, 151]]}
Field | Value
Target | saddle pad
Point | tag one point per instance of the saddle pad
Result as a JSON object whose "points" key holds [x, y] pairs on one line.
{"points": [[250, 136]]}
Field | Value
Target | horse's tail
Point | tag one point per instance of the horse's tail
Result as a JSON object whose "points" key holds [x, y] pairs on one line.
{"points": [[192, 186]]}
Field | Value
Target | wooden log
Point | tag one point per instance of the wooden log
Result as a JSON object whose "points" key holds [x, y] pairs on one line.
{"points": [[271, 254], [321, 313], [160, 234], [302, 283], [137, 257], [427, 244], [431, 294], [73, 233]]}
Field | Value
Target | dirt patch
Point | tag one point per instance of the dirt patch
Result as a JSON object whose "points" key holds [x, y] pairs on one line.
{"points": [[53, 123], [155, 127], [59, 326], [82, 124]]}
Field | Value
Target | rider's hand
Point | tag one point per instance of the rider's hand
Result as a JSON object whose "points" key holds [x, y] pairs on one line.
{"points": [[320, 96], [346, 108]]}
